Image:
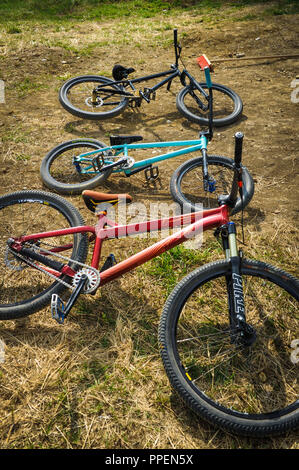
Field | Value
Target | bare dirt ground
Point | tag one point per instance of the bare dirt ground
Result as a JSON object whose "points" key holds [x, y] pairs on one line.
{"points": [[32, 123]]}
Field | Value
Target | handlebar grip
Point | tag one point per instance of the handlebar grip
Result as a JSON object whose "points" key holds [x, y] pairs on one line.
{"points": [[175, 36], [238, 147]]}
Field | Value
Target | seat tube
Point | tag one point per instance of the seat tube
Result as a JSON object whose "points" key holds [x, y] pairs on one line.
{"points": [[98, 241]]}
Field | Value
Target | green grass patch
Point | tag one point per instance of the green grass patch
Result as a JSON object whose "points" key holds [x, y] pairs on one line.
{"points": [[169, 267], [61, 10], [27, 86], [17, 135]]}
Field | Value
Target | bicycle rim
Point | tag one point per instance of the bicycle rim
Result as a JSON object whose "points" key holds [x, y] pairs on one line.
{"points": [[24, 289], [78, 97], [188, 187], [248, 390], [61, 171], [227, 105]]}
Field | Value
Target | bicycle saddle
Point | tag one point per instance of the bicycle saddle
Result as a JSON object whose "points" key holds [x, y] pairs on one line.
{"points": [[119, 72], [124, 139], [93, 198]]}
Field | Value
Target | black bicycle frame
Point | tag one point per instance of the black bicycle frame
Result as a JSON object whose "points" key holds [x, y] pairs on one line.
{"points": [[125, 83], [169, 74]]}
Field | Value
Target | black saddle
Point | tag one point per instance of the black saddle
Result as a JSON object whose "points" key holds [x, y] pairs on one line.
{"points": [[124, 139], [119, 72]]}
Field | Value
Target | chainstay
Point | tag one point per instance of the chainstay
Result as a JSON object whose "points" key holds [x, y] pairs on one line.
{"points": [[61, 281]]}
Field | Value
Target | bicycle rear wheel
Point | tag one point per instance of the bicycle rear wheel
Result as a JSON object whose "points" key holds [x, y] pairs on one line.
{"points": [[59, 172], [247, 390], [186, 184], [76, 96], [24, 289], [227, 105]]}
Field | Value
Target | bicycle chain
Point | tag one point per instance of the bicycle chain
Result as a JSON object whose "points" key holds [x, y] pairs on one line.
{"points": [[39, 268]]}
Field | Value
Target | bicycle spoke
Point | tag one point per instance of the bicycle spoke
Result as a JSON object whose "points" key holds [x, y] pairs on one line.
{"points": [[248, 379], [192, 185], [81, 97], [64, 170], [18, 280]]}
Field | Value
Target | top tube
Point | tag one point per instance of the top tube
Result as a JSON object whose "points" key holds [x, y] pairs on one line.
{"points": [[202, 142]]}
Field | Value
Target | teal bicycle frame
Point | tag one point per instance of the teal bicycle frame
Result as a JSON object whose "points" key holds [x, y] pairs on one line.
{"points": [[189, 146]]}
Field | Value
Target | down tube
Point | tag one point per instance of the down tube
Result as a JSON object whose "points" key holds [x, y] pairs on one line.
{"points": [[164, 245]]}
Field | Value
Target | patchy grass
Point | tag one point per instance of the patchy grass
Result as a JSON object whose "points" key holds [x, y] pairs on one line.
{"points": [[168, 268], [97, 381]]}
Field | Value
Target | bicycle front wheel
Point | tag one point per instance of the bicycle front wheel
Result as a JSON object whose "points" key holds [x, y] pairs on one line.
{"points": [[227, 105], [81, 97], [25, 289], [249, 390], [59, 171], [186, 184]]}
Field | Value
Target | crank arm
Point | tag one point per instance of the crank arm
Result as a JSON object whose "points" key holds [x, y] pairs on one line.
{"points": [[58, 310], [137, 170]]}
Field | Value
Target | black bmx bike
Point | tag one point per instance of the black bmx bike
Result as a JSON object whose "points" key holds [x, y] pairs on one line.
{"points": [[96, 97]]}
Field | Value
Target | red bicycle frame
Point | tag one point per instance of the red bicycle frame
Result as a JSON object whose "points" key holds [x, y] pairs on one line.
{"points": [[106, 229]]}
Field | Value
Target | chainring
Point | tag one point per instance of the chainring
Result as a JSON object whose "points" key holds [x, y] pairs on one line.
{"points": [[93, 279]]}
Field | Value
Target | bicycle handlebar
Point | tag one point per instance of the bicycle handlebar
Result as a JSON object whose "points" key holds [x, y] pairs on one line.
{"points": [[175, 37], [177, 47], [238, 147], [237, 180], [208, 77], [236, 188]]}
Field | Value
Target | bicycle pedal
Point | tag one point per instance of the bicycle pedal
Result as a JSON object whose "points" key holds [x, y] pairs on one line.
{"points": [[57, 309], [151, 174], [110, 261], [135, 102]]}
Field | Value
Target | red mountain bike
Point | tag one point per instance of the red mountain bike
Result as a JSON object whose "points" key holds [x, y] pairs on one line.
{"points": [[227, 327]]}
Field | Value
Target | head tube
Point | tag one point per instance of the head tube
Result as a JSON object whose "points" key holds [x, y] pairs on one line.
{"points": [[208, 77]]}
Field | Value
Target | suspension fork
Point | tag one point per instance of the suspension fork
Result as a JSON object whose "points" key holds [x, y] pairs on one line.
{"points": [[241, 332], [205, 173]]}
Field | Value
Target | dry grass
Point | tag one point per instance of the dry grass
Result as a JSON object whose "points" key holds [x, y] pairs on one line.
{"points": [[98, 381]]}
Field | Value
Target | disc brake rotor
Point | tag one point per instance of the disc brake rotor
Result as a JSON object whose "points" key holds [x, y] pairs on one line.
{"points": [[12, 262]]}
